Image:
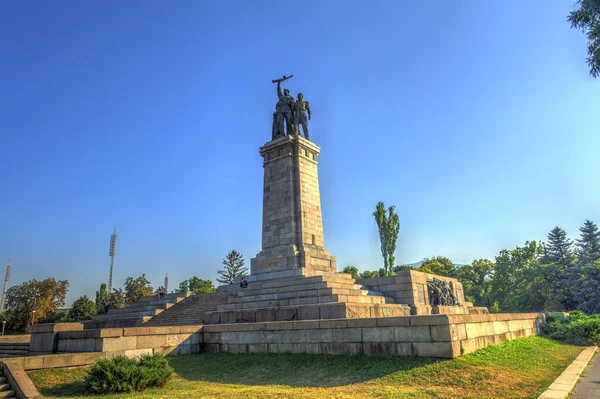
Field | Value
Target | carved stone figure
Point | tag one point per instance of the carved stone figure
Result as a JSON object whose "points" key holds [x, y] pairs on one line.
{"points": [[441, 293], [301, 115]]}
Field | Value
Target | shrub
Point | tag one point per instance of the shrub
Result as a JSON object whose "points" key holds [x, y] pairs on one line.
{"points": [[577, 329], [121, 374]]}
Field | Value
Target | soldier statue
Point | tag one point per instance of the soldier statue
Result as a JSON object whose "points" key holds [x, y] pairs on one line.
{"points": [[301, 109], [284, 111]]}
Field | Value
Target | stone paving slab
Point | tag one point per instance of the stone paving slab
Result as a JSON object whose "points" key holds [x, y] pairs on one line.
{"points": [[564, 384], [589, 384]]}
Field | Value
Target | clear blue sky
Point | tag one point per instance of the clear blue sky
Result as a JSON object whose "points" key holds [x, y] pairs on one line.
{"points": [[477, 119]]}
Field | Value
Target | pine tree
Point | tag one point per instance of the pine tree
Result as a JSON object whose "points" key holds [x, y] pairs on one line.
{"points": [[234, 266], [559, 249], [588, 247]]}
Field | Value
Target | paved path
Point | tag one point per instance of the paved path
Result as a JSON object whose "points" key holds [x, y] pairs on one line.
{"points": [[589, 385]]}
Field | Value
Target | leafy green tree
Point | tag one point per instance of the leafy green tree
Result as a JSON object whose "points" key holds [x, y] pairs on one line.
{"points": [[439, 265], [586, 292], [510, 285], [402, 267], [234, 267], [83, 309], [49, 296], [476, 280], [369, 274], [137, 288], [388, 225], [587, 18], [198, 285], [351, 270], [588, 246], [116, 300]]}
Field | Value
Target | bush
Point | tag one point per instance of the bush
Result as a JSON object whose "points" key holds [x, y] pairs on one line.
{"points": [[121, 374], [576, 329]]}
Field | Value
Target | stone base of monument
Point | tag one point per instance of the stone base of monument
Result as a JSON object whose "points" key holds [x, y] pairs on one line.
{"points": [[302, 294]]}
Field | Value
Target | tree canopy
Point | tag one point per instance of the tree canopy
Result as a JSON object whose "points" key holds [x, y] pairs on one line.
{"points": [[587, 18], [234, 267]]}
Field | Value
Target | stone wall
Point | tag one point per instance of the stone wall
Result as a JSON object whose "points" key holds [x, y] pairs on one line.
{"points": [[134, 341], [441, 336], [444, 336]]}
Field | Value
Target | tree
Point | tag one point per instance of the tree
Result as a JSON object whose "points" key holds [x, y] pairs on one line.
{"points": [[83, 309], [587, 18], [102, 297], [476, 279], [368, 274], [234, 266], [510, 289], [137, 288], [588, 247], [585, 288], [439, 265], [388, 225], [197, 285], [351, 270], [116, 300], [559, 249], [49, 296]]}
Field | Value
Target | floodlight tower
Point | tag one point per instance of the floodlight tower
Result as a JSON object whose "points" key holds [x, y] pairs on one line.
{"points": [[167, 282], [112, 252], [3, 303]]}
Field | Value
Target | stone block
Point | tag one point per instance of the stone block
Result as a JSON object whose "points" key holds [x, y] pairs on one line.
{"points": [[151, 341], [347, 335], [42, 342], [135, 331], [33, 362], [379, 348], [118, 344], [347, 349], [412, 334], [286, 314], [378, 334], [333, 324], [358, 311], [431, 320], [309, 313], [335, 311], [305, 325], [258, 348], [210, 348], [447, 350], [443, 333], [362, 322], [393, 322], [78, 345], [71, 360]]}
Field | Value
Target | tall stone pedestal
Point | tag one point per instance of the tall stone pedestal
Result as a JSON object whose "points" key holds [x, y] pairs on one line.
{"points": [[292, 230]]}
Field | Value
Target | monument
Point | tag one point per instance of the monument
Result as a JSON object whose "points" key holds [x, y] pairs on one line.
{"points": [[292, 226]]}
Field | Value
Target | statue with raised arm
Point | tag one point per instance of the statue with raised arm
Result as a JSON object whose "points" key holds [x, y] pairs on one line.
{"points": [[284, 110], [301, 115]]}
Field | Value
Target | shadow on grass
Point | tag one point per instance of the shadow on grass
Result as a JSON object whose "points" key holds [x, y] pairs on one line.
{"points": [[294, 370], [76, 388]]}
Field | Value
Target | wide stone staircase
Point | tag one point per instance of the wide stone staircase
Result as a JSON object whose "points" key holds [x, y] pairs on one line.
{"points": [[191, 311], [134, 314], [6, 390], [304, 297], [14, 346]]}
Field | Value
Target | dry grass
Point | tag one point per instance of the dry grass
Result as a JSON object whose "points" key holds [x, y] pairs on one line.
{"points": [[521, 368]]}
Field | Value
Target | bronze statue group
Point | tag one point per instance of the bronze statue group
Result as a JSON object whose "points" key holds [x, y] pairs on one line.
{"points": [[290, 111]]}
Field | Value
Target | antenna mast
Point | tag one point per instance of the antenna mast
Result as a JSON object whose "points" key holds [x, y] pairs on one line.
{"points": [[112, 253], [3, 303]]}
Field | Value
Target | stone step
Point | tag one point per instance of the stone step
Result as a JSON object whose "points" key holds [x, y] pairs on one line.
{"points": [[126, 315], [2, 380], [7, 394], [299, 294], [141, 308], [306, 301], [172, 296], [298, 287], [13, 346], [4, 386], [14, 352]]}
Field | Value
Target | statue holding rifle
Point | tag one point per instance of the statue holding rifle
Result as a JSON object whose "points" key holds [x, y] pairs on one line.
{"points": [[289, 113]]}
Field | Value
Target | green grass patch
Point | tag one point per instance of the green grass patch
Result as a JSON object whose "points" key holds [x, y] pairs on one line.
{"points": [[522, 368]]}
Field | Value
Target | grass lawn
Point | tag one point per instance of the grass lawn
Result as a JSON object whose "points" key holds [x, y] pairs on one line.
{"points": [[522, 368]]}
